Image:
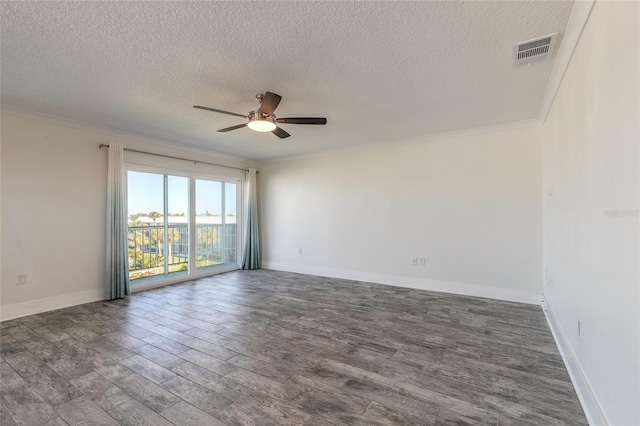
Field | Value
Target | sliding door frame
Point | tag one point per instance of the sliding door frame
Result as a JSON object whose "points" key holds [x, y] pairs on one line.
{"points": [[192, 273]]}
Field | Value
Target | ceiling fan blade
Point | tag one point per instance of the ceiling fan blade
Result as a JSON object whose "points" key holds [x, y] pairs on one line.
{"points": [[270, 102], [280, 133], [228, 129], [302, 120], [219, 110]]}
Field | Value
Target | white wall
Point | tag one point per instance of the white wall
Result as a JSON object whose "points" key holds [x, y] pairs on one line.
{"points": [[590, 166], [471, 205], [53, 202], [53, 209]]}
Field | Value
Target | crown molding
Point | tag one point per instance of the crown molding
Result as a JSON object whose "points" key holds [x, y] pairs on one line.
{"points": [[575, 25], [577, 21], [110, 131], [502, 127]]}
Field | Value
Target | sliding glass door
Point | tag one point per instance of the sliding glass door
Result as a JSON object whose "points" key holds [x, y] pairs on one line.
{"points": [[165, 211], [176, 225], [216, 230], [146, 237]]}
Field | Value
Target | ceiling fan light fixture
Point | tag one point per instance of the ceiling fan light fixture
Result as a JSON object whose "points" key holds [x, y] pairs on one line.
{"points": [[262, 124]]}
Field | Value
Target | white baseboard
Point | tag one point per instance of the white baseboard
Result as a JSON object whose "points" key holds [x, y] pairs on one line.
{"points": [[19, 310], [410, 282], [52, 303], [589, 401]]}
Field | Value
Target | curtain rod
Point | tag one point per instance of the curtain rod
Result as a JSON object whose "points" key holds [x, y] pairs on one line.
{"points": [[104, 145]]}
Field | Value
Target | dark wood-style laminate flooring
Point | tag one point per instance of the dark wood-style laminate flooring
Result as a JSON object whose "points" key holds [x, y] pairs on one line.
{"points": [[274, 348]]}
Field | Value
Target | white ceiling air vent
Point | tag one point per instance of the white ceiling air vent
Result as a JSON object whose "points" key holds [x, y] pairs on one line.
{"points": [[535, 50]]}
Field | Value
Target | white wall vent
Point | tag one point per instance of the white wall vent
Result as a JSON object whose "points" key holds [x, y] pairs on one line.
{"points": [[535, 50]]}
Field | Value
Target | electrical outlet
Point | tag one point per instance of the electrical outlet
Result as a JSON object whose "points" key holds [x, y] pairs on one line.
{"points": [[300, 251], [423, 261], [21, 278], [414, 261]]}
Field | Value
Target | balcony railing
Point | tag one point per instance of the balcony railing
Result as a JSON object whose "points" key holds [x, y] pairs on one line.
{"points": [[215, 244]]}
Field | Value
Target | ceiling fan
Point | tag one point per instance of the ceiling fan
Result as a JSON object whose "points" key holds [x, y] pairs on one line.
{"points": [[263, 119]]}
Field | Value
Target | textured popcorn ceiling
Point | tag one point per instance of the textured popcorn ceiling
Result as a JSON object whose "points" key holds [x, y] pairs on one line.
{"points": [[379, 71]]}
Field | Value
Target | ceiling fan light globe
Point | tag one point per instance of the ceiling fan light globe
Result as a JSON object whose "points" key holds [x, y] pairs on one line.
{"points": [[261, 125]]}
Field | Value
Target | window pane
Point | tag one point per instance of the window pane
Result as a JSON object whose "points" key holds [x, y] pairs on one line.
{"points": [[146, 227], [178, 223], [209, 232], [160, 221], [230, 208]]}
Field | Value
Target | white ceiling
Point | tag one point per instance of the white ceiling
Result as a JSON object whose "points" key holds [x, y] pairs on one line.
{"points": [[379, 71]]}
